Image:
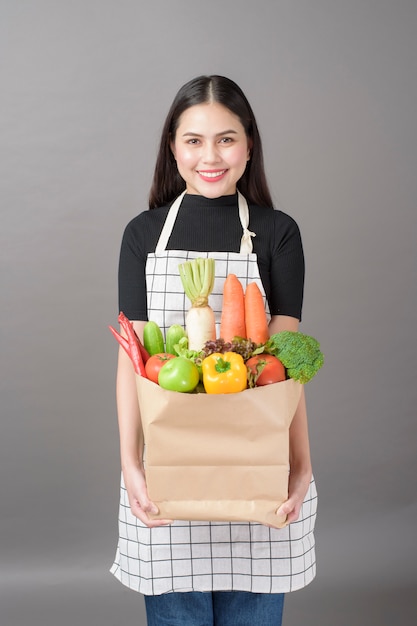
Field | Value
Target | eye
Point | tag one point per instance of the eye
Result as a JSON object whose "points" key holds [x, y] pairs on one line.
{"points": [[226, 140], [193, 141]]}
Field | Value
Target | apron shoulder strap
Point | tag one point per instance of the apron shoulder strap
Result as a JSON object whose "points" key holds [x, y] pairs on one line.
{"points": [[169, 224], [246, 241]]}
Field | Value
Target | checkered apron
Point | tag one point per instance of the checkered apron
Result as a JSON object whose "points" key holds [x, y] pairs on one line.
{"points": [[210, 556]]}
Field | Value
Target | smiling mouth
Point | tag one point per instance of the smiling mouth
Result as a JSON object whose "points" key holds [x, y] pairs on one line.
{"points": [[212, 175]]}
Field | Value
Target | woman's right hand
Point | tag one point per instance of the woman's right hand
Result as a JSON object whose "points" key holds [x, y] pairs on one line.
{"points": [[139, 501]]}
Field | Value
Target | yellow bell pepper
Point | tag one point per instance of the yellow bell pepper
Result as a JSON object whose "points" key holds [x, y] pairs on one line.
{"points": [[224, 373]]}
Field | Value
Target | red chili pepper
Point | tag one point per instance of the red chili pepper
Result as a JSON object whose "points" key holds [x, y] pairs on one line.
{"points": [[127, 348], [127, 325], [122, 340], [131, 345], [143, 351], [134, 344]]}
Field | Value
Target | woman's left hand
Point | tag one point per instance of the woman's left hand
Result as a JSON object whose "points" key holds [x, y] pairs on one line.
{"points": [[297, 489]]}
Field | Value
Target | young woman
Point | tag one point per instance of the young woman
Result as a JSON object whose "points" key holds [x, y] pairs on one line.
{"points": [[210, 195]]}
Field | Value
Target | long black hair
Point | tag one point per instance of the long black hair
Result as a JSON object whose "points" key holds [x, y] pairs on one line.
{"points": [[167, 183]]}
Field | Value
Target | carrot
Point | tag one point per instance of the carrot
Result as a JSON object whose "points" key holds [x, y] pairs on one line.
{"points": [[232, 322], [255, 315]]}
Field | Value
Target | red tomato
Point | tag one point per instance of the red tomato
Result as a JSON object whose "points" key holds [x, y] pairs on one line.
{"points": [[271, 369], [154, 364]]}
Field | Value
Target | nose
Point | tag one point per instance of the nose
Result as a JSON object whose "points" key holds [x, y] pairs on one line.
{"points": [[210, 153]]}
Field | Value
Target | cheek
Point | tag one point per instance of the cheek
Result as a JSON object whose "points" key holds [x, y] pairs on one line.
{"points": [[184, 156], [239, 157]]}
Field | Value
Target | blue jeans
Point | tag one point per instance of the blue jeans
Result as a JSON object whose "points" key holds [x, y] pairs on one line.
{"points": [[217, 608]]}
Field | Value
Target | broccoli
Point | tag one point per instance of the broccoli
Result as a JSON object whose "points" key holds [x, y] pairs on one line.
{"points": [[300, 354]]}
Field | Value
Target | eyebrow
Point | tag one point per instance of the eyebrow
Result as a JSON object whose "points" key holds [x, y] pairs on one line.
{"points": [[224, 132]]}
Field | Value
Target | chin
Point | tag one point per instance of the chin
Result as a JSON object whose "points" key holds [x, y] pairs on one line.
{"points": [[213, 192]]}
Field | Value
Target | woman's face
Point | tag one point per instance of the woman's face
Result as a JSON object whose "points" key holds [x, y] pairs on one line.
{"points": [[211, 150]]}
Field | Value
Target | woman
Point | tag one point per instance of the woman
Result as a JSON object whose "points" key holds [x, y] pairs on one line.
{"points": [[209, 187]]}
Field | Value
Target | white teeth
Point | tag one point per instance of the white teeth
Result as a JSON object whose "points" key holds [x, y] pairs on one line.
{"points": [[212, 174]]}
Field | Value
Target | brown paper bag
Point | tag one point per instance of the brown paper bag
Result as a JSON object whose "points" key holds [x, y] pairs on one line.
{"points": [[218, 457]]}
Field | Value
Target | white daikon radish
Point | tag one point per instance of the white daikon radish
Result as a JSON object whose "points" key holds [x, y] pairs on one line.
{"points": [[197, 277]]}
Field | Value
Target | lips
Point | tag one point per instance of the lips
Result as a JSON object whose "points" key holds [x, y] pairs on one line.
{"points": [[211, 175]]}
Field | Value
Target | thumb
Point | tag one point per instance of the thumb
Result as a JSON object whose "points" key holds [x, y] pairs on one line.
{"points": [[284, 509], [141, 501], [148, 506]]}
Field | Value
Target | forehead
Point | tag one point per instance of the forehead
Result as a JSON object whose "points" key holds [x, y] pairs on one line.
{"points": [[210, 116]]}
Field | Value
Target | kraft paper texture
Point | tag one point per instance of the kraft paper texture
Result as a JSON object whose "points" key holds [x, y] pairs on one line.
{"points": [[218, 457]]}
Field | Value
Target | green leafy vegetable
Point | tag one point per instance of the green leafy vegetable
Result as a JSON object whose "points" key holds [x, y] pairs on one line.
{"points": [[196, 356]]}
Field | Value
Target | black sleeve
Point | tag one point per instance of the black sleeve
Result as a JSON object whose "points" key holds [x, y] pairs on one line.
{"points": [[132, 281], [279, 250], [287, 268], [139, 239]]}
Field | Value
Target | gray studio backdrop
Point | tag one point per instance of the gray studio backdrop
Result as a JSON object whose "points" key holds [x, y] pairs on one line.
{"points": [[85, 87]]}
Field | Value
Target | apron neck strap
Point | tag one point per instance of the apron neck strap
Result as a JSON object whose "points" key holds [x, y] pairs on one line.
{"points": [[246, 241]]}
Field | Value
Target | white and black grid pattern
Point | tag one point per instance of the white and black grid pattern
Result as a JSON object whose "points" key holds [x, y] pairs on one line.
{"points": [[208, 556]]}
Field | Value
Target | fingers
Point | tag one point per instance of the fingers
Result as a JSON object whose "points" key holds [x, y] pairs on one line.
{"points": [[141, 512], [293, 516], [146, 505], [289, 510], [140, 504]]}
